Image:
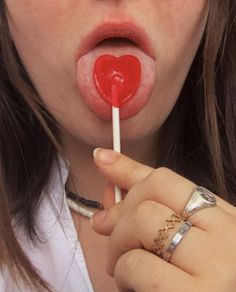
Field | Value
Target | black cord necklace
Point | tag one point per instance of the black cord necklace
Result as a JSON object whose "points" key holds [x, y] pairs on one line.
{"points": [[86, 202], [76, 203]]}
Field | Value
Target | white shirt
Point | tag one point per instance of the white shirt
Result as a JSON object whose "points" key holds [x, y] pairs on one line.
{"points": [[59, 258]]}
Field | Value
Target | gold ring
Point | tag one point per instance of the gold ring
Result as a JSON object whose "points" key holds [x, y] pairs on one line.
{"points": [[163, 234]]}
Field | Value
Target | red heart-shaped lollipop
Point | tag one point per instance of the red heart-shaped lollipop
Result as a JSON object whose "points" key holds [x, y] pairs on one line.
{"points": [[117, 78]]}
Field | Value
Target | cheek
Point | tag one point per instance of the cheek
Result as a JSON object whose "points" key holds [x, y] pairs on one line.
{"points": [[181, 25], [41, 30], [181, 11], [180, 18], [38, 18]]}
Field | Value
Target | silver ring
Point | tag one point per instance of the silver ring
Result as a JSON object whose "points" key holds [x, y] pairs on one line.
{"points": [[176, 240], [200, 198]]}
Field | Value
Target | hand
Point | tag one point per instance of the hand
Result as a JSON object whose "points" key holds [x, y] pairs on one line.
{"points": [[204, 260]]}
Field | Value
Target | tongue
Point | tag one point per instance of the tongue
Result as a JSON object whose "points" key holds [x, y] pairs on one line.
{"points": [[139, 79]]}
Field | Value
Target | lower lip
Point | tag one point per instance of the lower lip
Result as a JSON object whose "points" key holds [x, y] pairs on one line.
{"points": [[89, 93]]}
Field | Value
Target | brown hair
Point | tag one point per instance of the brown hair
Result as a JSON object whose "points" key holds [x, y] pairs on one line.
{"points": [[200, 132], [199, 136]]}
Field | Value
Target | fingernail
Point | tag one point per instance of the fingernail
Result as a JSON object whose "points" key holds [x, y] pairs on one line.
{"points": [[98, 217], [105, 156]]}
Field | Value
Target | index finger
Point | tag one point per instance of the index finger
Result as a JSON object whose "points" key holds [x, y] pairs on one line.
{"points": [[120, 169], [125, 172]]}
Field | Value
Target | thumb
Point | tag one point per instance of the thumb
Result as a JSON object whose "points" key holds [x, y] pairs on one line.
{"points": [[103, 222], [108, 198], [119, 169]]}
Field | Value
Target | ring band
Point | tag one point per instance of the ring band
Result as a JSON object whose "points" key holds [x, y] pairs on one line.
{"points": [[200, 198], [176, 240], [163, 234]]}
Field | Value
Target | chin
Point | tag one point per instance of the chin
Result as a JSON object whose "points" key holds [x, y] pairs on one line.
{"points": [[99, 133]]}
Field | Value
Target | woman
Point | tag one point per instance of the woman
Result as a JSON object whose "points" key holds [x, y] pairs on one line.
{"points": [[49, 127]]}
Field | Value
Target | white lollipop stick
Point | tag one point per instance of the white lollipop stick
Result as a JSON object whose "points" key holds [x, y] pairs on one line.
{"points": [[116, 133]]}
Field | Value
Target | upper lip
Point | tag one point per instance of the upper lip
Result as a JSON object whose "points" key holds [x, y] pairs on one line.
{"points": [[106, 30]]}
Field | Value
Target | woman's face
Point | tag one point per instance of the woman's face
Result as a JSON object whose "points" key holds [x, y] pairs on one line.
{"points": [[48, 35]]}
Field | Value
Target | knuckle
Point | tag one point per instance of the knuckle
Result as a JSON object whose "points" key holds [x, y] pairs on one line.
{"points": [[128, 262], [139, 173], [153, 286], [159, 175], [135, 189], [144, 209], [163, 171]]}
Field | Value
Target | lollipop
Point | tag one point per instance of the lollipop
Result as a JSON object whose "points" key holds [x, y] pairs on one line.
{"points": [[117, 80]]}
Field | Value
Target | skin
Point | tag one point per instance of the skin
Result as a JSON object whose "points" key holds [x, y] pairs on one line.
{"points": [[50, 44], [205, 258], [47, 35]]}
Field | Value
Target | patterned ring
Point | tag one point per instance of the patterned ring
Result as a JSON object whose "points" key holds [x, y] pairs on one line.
{"points": [[163, 234]]}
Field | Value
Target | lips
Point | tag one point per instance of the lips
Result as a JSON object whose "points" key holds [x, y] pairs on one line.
{"points": [[126, 30], [117, 39]]}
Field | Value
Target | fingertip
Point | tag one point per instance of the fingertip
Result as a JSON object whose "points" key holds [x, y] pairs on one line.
{"points": [[103, 222], [104, 156], [98, 217], [100, 223]]}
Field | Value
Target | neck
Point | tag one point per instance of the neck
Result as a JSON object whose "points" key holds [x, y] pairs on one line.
{"points": [[84, 177]]}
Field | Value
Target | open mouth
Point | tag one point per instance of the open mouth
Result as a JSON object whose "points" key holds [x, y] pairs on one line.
{"points": [[116, 41], [116, 33]]}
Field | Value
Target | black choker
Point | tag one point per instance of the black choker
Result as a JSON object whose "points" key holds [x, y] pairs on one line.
{"points": [[80, 200]]}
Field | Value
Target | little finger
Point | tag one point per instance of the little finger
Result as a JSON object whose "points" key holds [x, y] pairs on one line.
{"points": [[141, 271]]}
